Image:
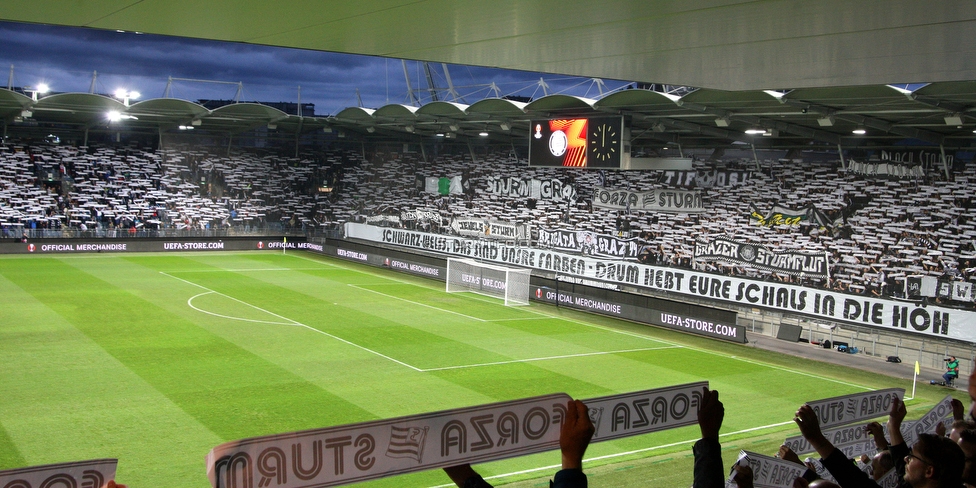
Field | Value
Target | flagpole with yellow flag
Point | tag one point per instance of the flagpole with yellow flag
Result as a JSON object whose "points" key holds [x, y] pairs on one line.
{"points": [[914, 379], [284, 245]]}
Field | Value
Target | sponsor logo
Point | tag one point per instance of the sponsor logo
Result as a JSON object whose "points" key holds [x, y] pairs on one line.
{"points": [[191, 246], [359, 256]]}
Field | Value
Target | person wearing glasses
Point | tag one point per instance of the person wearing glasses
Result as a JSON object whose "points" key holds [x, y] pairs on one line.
{"points": [[933, 462]]}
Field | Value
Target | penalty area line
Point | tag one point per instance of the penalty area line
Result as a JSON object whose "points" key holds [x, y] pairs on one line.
{"points": [[418, 303], [547, 358], [299, 324]]}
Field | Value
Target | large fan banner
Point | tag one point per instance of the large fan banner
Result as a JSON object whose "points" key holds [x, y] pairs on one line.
{"points": [[488, 229], [704, 179], [675, 201], [358, 452], [791, 263], [929, 321], [589, 243], [545, 190], [81, 474]]}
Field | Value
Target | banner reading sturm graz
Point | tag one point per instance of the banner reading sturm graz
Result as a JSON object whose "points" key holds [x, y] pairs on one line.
{"points": [[589, 243], [792, 263], [684, 201], [352, 453]]}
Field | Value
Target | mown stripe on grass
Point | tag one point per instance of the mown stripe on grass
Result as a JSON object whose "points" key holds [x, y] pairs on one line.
{"points": [[9, 455], [233, 392]]}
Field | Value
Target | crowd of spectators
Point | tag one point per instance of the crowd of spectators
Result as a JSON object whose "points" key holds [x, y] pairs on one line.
{"points": [[881, 229], [118, 191], [940, 458]]}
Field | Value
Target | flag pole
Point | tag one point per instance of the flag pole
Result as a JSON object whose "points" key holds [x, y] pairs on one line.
{"points": [[914, 379], [284, 245]]}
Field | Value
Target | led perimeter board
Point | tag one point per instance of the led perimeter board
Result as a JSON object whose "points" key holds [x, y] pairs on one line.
{"points": [[585, 142]]}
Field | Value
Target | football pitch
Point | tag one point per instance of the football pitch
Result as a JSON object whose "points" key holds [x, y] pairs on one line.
{"points": [[156, 358]]}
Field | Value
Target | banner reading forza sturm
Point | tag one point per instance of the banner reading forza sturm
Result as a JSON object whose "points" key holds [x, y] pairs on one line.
{"points": [[791, 263], [683, 201], [928, 321], [86, 474], [353, 453]]}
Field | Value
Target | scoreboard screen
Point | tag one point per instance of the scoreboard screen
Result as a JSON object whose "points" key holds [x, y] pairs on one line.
{"points": [[586, 142]]}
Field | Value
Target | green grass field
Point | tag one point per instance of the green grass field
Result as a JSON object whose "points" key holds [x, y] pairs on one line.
{"points": [[155, 359]]}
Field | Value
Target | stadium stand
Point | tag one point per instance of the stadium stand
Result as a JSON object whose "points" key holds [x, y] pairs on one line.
{"points": [[883, 230]]}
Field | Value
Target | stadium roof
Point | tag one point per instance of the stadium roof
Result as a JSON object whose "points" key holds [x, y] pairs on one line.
{"points": [[719, 44], [807, 73]]}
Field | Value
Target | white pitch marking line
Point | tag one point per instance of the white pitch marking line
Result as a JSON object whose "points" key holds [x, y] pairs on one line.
{"points": [[417, 303], [240, 270], [547, 358], [705, 351], [626, 453], [190, 303], [640, 336], [298, 324], [523, 318]]}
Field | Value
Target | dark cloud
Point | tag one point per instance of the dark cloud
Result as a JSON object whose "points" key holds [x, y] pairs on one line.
{"points": [[67, 58]]}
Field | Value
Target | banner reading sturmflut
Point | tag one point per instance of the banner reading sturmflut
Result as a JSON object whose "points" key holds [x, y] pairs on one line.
{"points": [[683, 201], [358, 452], [87, 474], [792, 263]]}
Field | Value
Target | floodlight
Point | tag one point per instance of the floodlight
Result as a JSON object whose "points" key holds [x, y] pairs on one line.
{"points": [[483, 134], [454, 127], [113, 116], [953, 119], [272, 126], [827, 121], [505, 126], [43, 88], [722, 121], [859, 131], [196, 122], [371, 129], [755, 131]]}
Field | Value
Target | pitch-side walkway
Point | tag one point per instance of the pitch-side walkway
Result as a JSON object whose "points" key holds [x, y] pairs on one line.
{"points": [[860, 361]]}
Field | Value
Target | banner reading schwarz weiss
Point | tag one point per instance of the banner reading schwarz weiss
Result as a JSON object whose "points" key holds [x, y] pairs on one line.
{"points": [[942, 322], [793, 263], [358, 452]]}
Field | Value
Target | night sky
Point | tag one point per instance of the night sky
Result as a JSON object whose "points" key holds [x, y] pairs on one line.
{"points": [[66, 57]]}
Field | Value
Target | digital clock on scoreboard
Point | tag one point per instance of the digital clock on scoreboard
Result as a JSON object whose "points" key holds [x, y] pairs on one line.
{"points": [[585, 142]]}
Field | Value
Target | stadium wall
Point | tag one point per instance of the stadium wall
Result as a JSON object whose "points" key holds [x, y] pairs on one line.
{"points": [[684, 317], [75, 246], [660, 308]]}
